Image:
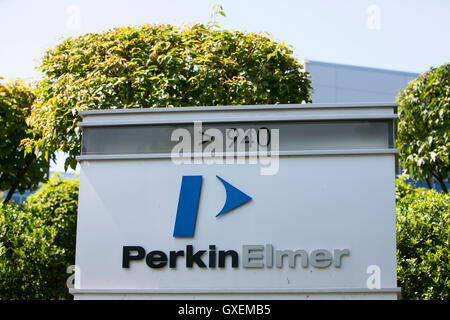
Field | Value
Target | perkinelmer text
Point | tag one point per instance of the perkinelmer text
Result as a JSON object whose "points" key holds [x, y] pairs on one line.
{"points": [[252, 256]]}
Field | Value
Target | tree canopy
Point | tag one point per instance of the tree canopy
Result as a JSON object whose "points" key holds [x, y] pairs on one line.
{"points": [[18, 170], [424, 126], [152, 66]]}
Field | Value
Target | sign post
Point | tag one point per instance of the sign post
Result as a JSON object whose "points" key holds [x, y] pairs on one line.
{"points": [[248, 202]]}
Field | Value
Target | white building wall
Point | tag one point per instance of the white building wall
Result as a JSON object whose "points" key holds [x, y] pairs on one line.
{"points": [[334, 83]]}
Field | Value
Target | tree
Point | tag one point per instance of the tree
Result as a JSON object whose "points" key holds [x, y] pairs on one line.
{"points": [[18, 170], [424, 126], [158, 66]]}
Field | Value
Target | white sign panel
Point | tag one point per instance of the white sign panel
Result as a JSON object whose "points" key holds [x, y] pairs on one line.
{"points": [[319, 224]]}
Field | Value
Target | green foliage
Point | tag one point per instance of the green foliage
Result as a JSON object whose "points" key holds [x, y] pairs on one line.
{"points": [[28, 255], [424, 126], [18, 171], [56, 203], [159, 66], [423, 235], [37, 243]]}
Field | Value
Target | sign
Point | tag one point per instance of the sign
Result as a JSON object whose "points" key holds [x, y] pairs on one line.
{"points": [[287, 202]]}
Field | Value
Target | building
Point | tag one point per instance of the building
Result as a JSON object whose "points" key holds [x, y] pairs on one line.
{"points": [[335, 83]]}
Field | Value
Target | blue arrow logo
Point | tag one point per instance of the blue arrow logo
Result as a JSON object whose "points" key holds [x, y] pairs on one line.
{"points": [[189, 200], [235, 197]]}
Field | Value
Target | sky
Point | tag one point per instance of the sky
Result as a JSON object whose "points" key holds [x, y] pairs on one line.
{"points": [[405, 35]]}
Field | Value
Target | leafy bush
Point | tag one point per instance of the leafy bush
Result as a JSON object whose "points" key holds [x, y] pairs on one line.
{"points": [[424, 126], [29, 259], [423, 235], [153, 66], [56, 203], [37, 242]]}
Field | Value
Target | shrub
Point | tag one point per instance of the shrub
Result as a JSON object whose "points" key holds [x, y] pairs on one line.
{"points": [[37, 242], [56, 203], [423, 242], [28, 256]]}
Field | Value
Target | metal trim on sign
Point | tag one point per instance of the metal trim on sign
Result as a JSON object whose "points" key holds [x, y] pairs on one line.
{"points": [[237, 154], [239, 120]]}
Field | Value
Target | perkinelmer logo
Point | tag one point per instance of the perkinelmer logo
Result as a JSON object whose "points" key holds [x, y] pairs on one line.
{"points": [[252, 256], [189, 200]]}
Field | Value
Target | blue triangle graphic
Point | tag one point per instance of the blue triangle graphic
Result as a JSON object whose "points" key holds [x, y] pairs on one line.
{"points": [[235, 197]]}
